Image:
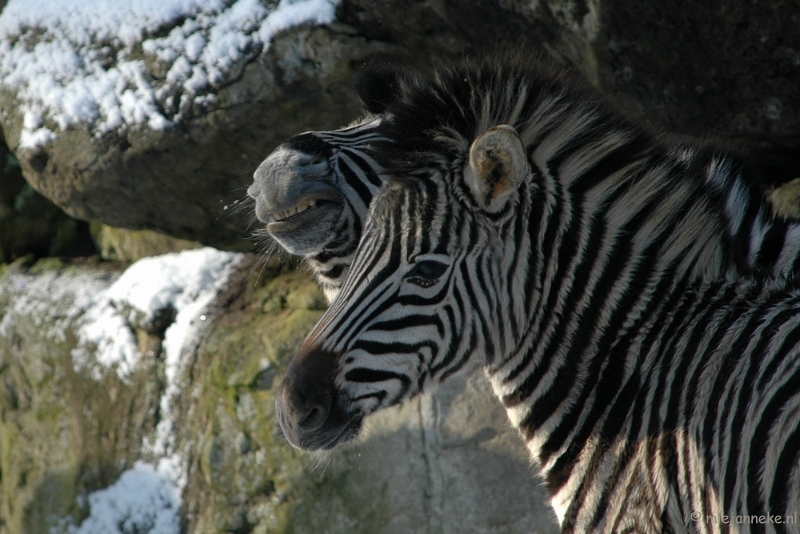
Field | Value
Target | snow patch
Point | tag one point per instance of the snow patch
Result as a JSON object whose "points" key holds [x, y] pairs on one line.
{"points": [[145, 498], [100, 308], [52, 302], [92, 62], [185, 282]]}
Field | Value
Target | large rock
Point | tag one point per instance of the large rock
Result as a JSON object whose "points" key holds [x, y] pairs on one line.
{"points": [[189, 135], [705, 68], [63, 432], [176, 150]]}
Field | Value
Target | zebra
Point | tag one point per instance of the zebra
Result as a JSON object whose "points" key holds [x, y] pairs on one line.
{"points": [[654, 392], [313, 193], [314, 190]]}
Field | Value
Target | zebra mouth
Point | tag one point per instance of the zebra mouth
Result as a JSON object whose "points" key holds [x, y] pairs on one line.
{"points": [[333, 433], [305, 227], [348, 433], [305, 205]]}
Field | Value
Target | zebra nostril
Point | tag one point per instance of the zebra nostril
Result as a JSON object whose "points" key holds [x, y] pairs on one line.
{"points": [[315, 417], [306, 403]]}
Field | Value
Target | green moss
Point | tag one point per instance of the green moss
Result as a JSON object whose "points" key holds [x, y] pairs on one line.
{"points": [[307, 297], [291, 290], [47, 264], [63, 433], [131, 245], [786, 199], [336, 499], [55, 496], [248, 469]]}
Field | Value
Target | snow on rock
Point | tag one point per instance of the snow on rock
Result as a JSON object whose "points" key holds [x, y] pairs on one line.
{"points": [[100, 62], [145, 498], [185, 282], [53, 301], [97, 306]]}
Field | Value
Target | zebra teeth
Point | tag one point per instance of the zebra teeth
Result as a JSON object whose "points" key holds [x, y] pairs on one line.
{"points": [[291, 212]]}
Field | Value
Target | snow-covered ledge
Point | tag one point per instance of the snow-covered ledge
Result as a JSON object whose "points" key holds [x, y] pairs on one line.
{"points": [[141, 63]]}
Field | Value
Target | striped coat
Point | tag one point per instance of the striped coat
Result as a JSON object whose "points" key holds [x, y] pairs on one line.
{"points": [[596, 278]]}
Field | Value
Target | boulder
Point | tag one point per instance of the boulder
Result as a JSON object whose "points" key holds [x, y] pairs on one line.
{"points": [[163, 129], [63, 432]]}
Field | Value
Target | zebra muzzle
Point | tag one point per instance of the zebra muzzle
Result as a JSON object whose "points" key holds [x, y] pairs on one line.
{"points": [[310, 411]]}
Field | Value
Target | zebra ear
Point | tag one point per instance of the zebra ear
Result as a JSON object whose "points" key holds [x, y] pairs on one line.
{"points": [[497, 166]]}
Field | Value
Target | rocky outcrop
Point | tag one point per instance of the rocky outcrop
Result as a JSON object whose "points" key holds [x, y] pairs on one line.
{"points": [[63, 432], [71, 423], [187, 180]]}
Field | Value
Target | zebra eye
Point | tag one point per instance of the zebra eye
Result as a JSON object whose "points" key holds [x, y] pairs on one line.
{"points": [[425, 273]]}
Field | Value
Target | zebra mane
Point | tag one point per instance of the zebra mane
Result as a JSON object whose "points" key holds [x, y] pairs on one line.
{"points": [[457, 102], [430, 120], [443, 112]]}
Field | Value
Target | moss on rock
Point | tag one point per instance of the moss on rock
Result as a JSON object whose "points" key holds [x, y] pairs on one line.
{"points": [[64, 432], [131, 245], [786, 199], [435, 465], [244, 476]]}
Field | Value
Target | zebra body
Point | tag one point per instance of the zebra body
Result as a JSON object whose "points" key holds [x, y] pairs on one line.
{"points": [[648, 383]]}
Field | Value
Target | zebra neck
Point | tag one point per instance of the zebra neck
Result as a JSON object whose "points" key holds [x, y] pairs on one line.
{"points": [[568, 384], [591, 300], [705, 215], [639, 380]]}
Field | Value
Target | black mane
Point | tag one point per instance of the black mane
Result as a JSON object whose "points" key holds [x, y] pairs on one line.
{"points": [[426, 113], [438, 115]]}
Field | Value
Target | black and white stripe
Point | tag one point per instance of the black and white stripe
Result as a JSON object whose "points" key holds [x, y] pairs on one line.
{"points": [[358, 176], [603, 295]]}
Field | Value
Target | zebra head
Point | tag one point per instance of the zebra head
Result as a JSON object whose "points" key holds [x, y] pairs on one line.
{"points": [[412, 311], [312, 193]]}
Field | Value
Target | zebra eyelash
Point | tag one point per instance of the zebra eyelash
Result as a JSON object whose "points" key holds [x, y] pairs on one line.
{"points": [[426, 273]]}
